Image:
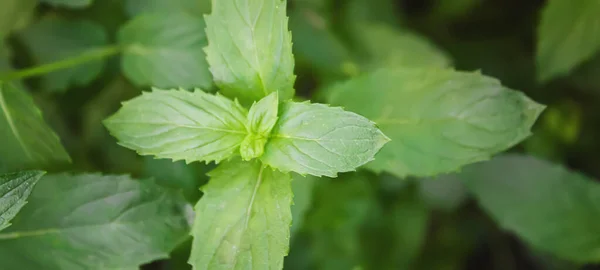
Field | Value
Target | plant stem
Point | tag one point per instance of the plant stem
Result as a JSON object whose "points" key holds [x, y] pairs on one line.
{"points": [[88, 56]]}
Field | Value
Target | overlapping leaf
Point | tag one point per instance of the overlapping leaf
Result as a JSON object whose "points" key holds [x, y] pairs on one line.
{"points": [[438, 120], [261, 120], [567, 36], [180, 125], [550, 207], [54, 39], [27, 142], [243, 220], [165, 50], [14, 190], [250, 49], [91, 221], [320, 140]]}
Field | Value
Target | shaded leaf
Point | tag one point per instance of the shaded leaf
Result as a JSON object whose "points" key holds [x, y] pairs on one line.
{"points": [[69, 3], [302, 187], [250, 49], [192, 7], [14, 190], [130, 222], [180, 125], [15, 14], [165, 50], [567, 36], [27, 142], [548, 206], [243, 219], [320, 140], [54, 39], [438, 120]]}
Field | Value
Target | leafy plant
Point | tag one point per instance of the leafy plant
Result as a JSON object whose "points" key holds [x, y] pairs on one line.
{"points": [[356, 146]]}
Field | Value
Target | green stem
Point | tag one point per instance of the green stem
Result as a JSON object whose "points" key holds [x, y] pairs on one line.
{"points": [[91, 55]]}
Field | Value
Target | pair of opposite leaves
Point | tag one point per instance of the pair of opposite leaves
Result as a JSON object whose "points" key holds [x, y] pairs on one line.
{"points": [[305, 138]]}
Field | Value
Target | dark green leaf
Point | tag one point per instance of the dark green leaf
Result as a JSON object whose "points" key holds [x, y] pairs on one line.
{"points": [[192, 7], [15, 14], [54, 39], [91, 221], [165, 51], [69, 3], [567, 36], [550, 207], [27, 142]]}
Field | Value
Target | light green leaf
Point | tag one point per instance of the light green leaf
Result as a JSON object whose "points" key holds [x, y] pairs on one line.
{"points": [[180, 125], [250, 49], [54, 39], [550, 207], [320, 140], [243, 220], [27, 142], [261, 120], [15, 14], [438, 120], [14, 190], [387, 47], [302, 187], [130, 222], [192, 7], [567, 36], [69, 3], [165, 50]]}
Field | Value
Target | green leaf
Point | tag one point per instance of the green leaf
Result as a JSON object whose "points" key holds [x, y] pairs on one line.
{"points": [[567, 36], [180, 125], [69, 3], [316, 45], [250, 49], [192, 7], [438, 120], [302, 187], [550, 207], [387, 47], [341, 208], [261, 120], [27, 142], [130, 222], [186, 178], [14, 190], [54, 39], [15, 14], [243, 219], [165, 50], [320, 140]]}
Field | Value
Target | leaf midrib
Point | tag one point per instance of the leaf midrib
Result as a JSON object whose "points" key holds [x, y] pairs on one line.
{"points": [[12, 126]]}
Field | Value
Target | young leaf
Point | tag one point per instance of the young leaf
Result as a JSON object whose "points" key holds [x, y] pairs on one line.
{"points": [[165, 50], [53, 39], [321, 140], [550, 207], [69, 3], [180, 125], [14, 190], [27, 142], [192, 7], [567, 36], [131, 222], [261, 120], [243, 220], [250, 48], [438, 120]]}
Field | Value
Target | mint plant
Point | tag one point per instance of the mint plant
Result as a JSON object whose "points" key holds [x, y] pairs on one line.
{"points": [[356, 146]]}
